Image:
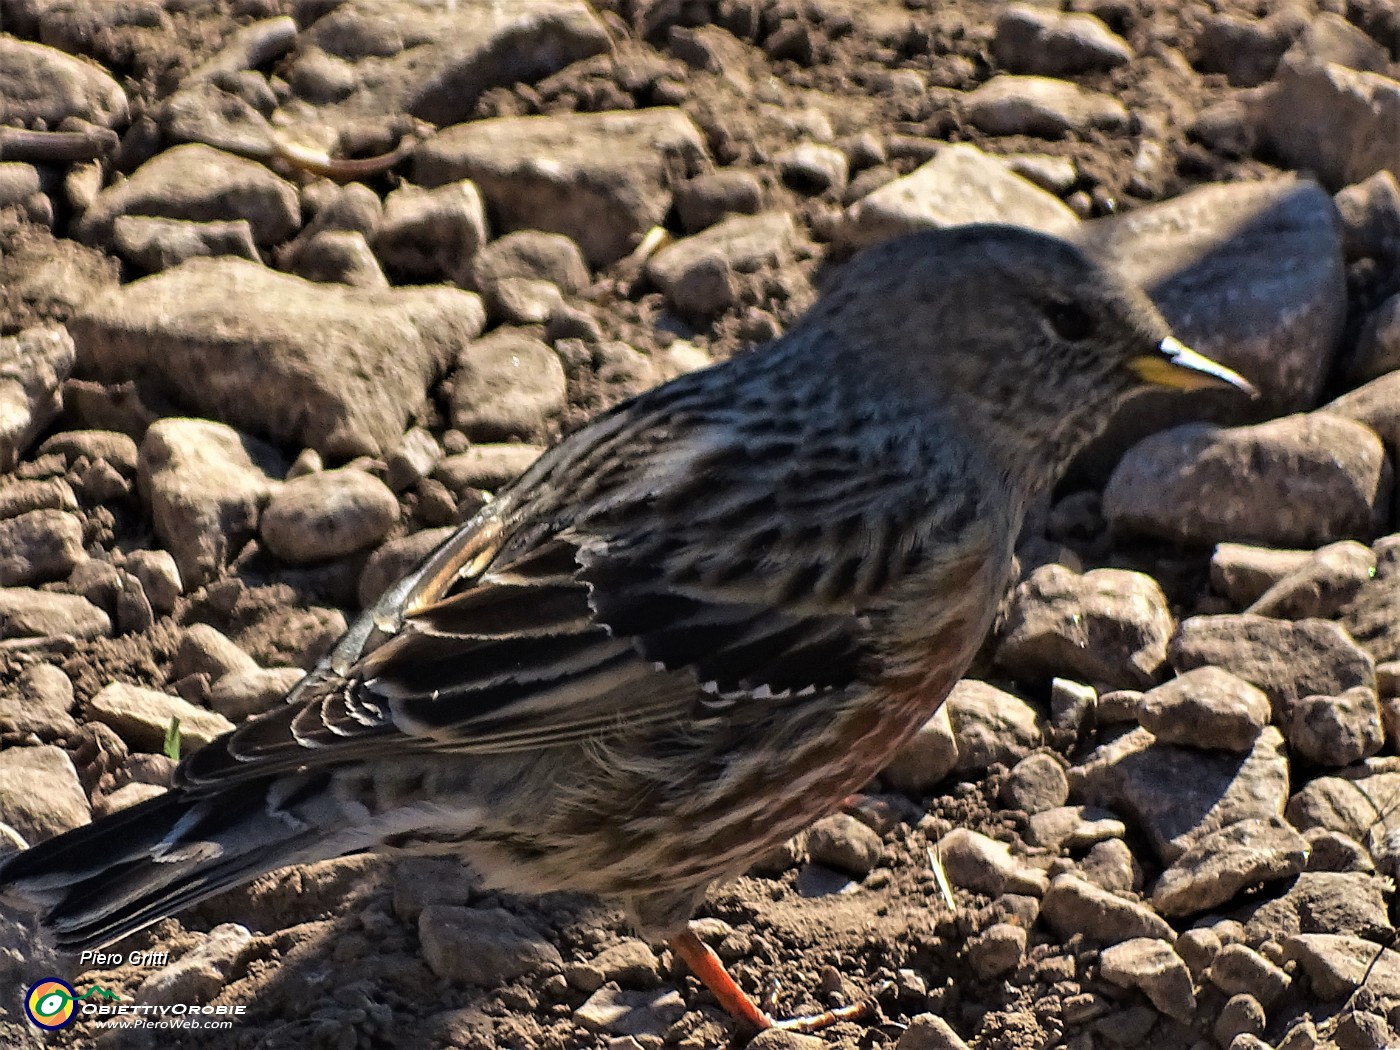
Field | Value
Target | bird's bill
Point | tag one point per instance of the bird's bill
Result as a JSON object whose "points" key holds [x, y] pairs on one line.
{"points": [[1177, 366]]}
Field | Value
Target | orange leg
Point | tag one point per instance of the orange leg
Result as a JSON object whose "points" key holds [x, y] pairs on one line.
{"points": [[705, 964]]}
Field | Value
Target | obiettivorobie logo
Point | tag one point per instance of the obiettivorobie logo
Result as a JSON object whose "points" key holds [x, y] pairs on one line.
{"points": [[52, 1003]]}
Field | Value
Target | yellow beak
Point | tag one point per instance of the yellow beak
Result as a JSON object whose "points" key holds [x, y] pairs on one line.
{"points": [[1177, 366]]}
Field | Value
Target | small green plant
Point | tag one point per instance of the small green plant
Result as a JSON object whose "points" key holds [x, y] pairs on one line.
{"points": [[172, 740]]}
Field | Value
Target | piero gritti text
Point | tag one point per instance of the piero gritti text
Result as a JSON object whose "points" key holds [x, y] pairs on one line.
{"points": [[94, 958]]}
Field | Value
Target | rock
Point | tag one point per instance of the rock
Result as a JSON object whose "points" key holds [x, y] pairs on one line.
{"points": [[1237, 969], [124, 797], [33, 366], [340, 257], [1109, 627], [1249, 274], [1247, 51], [328, 515], [203, 649], [1046, 43], [813, 169], [929, 1032], [337, 369], [1322, 587], [1337, 730], [206, 484], [1154, 968], [432, 235], [1333, 121], [40, 702], [482, 946], [395, 559], [1336, 964], [741, 244], [602, 179], [1207, 708], [142, 717], [1359, 808], [363, 60], [706, 199], [1223, 863], [108, 446], [21, 497], [21, 189], [983, 865], [1369, 212], [42, 84], [1373, 617], [1074, 906], [26, 613], [1035, 784], [926, 757], [489, 466], [159, 576], [631, 964], [961, 184], [242, 694], [529, 255], [40, 795], [1329, 37], [842, 842], [1072, 828], [990, 725], [1286, 659], [39, 546], [1041, 106], [201, 974], [199, 184], [1180, 795], [996, 950], [1321, 902], [507, 385], [1110, 865], [610, 1009], [1303, 480], [153, 244], [1378, 350], [1375, 404]]}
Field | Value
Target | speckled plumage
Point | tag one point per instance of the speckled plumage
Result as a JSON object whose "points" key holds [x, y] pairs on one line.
{"points": [[689, 629]]}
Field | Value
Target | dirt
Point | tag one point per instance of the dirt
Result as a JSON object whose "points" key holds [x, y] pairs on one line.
{"points": [[335, 961]]}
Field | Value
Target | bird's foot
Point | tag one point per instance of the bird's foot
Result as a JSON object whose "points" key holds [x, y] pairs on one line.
{"points": [[705, 964]]}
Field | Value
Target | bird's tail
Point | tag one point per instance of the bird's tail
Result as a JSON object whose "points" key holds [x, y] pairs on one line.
{"points": [[100, 882]]}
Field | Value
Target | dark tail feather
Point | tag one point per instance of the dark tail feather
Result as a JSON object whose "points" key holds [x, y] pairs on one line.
{"points": [[100, 882]]}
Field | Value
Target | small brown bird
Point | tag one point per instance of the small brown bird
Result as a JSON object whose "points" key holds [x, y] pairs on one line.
{"points": [[689, 629]]}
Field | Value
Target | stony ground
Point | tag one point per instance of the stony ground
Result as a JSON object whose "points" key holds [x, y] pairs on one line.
{"points": [[288, 287]]}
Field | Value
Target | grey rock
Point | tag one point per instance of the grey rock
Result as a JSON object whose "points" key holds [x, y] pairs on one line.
{"points": [[340, 257], [1333, 121], [1207, 708], [842, 842], [141, 717], [40, 702], [1328, 37], [1249, 274], [1300, 481], [1237, 969], [1223, 863], [337, 369], [1047, 43], [960, 185], [507, 385], [1054, 174], [1369, 212], [159, 576], [1377, 403], [206, 484], [243, 694], [1335, 965], [1378, 345], [1072, 828], [482, 946], [813, 169], [1035, 784], [996, 950], [1321, 588], [33, 366], [1247, 51], [1373, 617], [22, 496], [1198, 948], [1321, 902], [926, 757], [929, 1032], [1110, 865], [1360, 807], [488, 466], [984, 865], [434, 234], [1243, 573], [990, 725], [317, 517], [26, 613], [612, 1009], [1180, 795], [39, 83], [201, 973], [376, 59], [199, 184], [741, 244], [203, 649], [708, 198], [1074, 906], [1153, 967], [602, 179], [1335, 731], [153, 244], [1109, 627], [215, 112], [392, 561], [106, 445], [40, 546], [1041, 106], [40, 795], [1286, 659]]}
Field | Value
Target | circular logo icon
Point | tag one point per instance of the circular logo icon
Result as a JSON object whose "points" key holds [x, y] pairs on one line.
{"points": [[49, 1003]]}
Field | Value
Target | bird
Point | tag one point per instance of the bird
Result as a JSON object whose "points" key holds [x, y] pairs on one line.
{"points": [[689, 629]]}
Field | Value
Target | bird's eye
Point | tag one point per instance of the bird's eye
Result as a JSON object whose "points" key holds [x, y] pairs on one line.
{"points": [[1070, 321]]}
